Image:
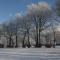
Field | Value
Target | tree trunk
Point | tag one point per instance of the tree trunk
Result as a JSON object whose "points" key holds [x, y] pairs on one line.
{"points": [[28, 39], [39, 42], [54, 40], [16, 42], [23, 42], [36, 36], [39, 37], [10, 41], [10, 45], [40, 24]]}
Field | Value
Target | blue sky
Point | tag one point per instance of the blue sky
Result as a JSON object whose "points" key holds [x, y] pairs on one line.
{"points": [[11, 7]]}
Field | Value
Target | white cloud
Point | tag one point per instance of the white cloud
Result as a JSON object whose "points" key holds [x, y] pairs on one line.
{"points": [[44, 6], [18, 15], [38, 8]]}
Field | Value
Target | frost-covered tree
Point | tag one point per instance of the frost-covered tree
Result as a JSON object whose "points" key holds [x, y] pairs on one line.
{"points": [[8, 32], [16, 27], [26, 25], [39, 13]]}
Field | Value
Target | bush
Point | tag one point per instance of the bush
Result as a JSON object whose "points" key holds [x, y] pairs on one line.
{"points": [[48, 45], [28, 45], [10, 46], [23, 46], [1, 46], [38, 46]]}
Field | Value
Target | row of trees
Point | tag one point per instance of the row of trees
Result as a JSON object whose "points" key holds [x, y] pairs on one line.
{"points": [[38, 18]]}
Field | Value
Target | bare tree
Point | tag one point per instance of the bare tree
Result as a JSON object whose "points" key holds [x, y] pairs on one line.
{"points": [[26, 25], [39, 13], [54, 33], [16, 29]]}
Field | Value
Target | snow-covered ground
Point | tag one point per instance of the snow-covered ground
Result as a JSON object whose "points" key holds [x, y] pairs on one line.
{"points": [[30, 54]]}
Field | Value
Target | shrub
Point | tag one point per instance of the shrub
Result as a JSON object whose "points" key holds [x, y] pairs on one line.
{"points": [[38, 46], [48, 45], [28, 45]]}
